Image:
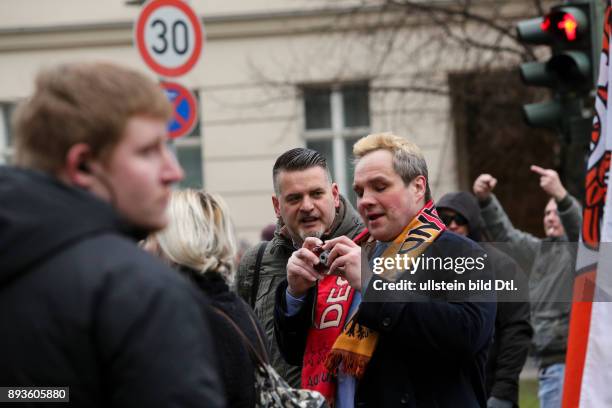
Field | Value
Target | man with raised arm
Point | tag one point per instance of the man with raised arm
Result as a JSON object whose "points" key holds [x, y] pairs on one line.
{"points": [[461, 214], [550, 263]]}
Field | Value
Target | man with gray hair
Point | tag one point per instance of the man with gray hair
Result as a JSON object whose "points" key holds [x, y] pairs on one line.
{"points": [[307, 204]]}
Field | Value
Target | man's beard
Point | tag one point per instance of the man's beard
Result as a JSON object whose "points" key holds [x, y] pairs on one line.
{"points": [[308, 234]]}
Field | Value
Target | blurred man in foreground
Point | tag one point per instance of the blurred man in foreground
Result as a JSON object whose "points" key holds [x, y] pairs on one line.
{"points": [[81, 306]]}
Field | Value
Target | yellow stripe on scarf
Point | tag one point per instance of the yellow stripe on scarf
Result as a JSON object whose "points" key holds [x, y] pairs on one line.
{"points": [[354, 347]]}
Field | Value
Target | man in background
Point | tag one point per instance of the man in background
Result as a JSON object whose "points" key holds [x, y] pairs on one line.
{"points": [[508, 353], [550, 263]]}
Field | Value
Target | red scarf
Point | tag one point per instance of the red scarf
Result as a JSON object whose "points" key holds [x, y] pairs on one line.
{"points": [[333, 300]]}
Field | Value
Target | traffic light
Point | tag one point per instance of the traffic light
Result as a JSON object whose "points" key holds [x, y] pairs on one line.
{"points": [[572, 30]]}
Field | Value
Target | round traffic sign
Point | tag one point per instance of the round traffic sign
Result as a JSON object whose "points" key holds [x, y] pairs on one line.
{"points": [[185, 109], [169, 37]]}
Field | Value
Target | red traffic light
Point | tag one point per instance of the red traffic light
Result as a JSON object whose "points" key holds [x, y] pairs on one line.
{"points": [[569, 25], [565, 23]]}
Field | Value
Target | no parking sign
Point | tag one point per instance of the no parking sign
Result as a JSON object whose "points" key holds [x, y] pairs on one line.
{"points": [[185, 109]]}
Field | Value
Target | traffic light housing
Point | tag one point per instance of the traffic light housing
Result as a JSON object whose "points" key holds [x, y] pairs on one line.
{"points": [[572, 30]]}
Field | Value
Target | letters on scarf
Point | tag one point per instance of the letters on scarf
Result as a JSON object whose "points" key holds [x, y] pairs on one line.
{"points": [[334, 297]]}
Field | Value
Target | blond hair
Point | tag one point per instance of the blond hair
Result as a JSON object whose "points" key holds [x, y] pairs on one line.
{"points": [[82, 103], [408, 161], [200, 234]]}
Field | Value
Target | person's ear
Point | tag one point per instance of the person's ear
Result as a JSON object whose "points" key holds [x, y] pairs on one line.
{"points": [[420, 187], [276, 205], [77, 166], [335, 194], [84, 167]]}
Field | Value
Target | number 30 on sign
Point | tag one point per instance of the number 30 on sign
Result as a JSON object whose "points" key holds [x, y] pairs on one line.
{"points": [[169, 37]]}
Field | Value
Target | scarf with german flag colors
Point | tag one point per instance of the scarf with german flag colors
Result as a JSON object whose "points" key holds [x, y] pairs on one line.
{"points": [[333, 302]]}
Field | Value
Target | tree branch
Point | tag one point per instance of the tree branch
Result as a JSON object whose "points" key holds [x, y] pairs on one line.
{"points": [[539, 7], [411, 88], [466, 14]]}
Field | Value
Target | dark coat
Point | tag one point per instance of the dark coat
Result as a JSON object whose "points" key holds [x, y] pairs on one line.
{"points": [[82, 306], [513, 331], [430, 353], [238, 367]]}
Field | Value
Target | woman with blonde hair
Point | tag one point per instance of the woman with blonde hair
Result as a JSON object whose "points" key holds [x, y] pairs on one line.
{"points": [[199, 241]]}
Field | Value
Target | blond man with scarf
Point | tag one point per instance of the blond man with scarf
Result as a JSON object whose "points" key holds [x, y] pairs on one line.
{"points": [[384, 353]]}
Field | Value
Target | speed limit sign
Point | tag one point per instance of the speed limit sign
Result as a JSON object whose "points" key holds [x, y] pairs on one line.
{"points": [[169, 37]]}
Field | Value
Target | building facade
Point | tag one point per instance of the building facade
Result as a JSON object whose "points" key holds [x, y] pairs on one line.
{"points": [[273, 75]]}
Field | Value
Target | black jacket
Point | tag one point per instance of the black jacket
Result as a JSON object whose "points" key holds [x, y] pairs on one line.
{"points": [[429, 353], [82, 306], [513, 331], [238, 367]]}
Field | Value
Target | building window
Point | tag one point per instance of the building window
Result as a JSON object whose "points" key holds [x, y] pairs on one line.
{"points": [[335, 117], [6, 135], [190, 158]]}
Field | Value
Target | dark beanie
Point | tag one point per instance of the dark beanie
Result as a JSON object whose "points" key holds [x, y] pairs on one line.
{"points": [[466, 204]]}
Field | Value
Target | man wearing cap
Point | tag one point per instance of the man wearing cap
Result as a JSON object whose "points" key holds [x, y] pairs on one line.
{"points": [[461, 214]]}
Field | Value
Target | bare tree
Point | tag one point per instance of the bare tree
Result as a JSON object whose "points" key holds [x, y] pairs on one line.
{"points": [[461, 54], [426, 38]]}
